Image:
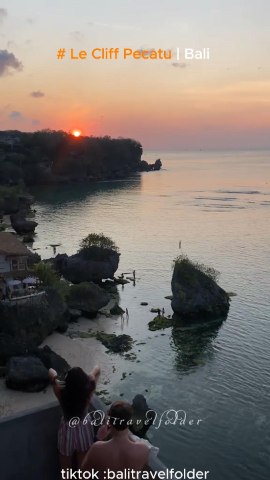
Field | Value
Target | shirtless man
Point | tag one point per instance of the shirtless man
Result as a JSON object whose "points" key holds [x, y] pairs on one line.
{"points": [[120, 452]]}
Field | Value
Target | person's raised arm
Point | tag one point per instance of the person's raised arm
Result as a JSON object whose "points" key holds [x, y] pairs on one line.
{"points": [[52, 377], [95, 372]]}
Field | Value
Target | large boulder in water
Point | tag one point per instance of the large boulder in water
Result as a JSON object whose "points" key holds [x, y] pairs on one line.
{"points": [[148, 167], [91, 266], [27, 374], [88, 297], [195, 292]]}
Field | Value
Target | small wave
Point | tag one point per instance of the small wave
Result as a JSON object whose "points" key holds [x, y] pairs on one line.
{"points": [[219, 199], [223, 207], [240, 192]]}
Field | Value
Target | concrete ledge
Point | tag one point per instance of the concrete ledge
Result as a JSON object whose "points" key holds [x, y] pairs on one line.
{"points": [[29, 444]]}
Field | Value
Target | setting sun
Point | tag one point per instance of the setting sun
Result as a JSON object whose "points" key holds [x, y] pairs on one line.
{"points": [[76, 133]]}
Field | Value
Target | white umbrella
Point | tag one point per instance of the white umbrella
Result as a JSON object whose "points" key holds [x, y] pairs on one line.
{"points": [[12, 283], [30, 281]]}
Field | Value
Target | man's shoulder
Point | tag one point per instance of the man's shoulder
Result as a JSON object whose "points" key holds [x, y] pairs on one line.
{"points": [[100, 445], [141, 448]]}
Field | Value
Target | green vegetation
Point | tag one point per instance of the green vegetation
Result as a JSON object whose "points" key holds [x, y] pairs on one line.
{"points": [[37, 158], [97, 240], [188, 269], [115, 343], [3, 227], [49, 278], [46, 274], [88, 334], [80, 292], [130, 356], [10, 191], [159, 323]]}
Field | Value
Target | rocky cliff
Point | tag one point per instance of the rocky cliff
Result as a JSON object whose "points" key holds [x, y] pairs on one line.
{"points": [[195, 292], [26, 325]]}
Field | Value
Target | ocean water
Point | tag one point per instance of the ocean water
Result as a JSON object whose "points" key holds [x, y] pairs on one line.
{"points": [[218, 375]]}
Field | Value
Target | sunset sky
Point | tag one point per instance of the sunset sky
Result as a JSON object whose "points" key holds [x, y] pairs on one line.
{"points": [[190, 104]]}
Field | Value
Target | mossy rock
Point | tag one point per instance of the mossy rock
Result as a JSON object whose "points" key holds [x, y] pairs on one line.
{"points": [[102, 392], [3, 227], [86, 334], [130, 356], [115, 343], [116, 310], [159, 323], [121, 281]]}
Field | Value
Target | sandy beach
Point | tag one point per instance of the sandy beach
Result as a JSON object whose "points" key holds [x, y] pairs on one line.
{"points": [[77, 352]]}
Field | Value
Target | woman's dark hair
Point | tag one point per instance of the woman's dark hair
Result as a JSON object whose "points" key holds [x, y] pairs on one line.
{"points": [[120, 414], [76, 392]]}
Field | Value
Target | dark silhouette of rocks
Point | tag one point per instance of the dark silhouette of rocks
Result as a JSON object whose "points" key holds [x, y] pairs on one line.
{"points": [[50, 359], [10, 346], [47, 156], [115, 343], [150, 167], [87, 297], [98, 264], [196, 295], [27, 374], [21, 225], [33, 320]]}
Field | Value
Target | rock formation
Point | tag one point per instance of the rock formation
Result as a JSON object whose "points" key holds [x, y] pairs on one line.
{"points": [[50, 359], [27, 374], [115, 343], [88, 298], [195, 293], [32, 322], [21, 225], [98, 264], [149, 167]]}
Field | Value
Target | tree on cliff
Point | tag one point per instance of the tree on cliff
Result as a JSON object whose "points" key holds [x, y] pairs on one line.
{"points": [[48, 277], [97, 240], [38, 157]]}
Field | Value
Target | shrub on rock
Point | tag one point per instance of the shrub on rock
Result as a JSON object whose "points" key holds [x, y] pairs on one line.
{"points": [[195, 291]]}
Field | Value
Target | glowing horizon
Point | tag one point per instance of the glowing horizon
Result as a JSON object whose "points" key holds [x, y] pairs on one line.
{"points": [[76, 133], [223, 102]]}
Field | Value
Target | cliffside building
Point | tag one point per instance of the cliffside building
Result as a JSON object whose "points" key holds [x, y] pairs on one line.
{"points": [[13, 256]]}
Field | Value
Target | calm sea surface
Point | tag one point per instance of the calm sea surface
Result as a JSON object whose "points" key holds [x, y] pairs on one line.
{"points": [[218, 205]]}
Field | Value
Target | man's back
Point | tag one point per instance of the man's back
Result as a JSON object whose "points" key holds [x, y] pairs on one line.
{"points": [[116, 454], [120, 452]]}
